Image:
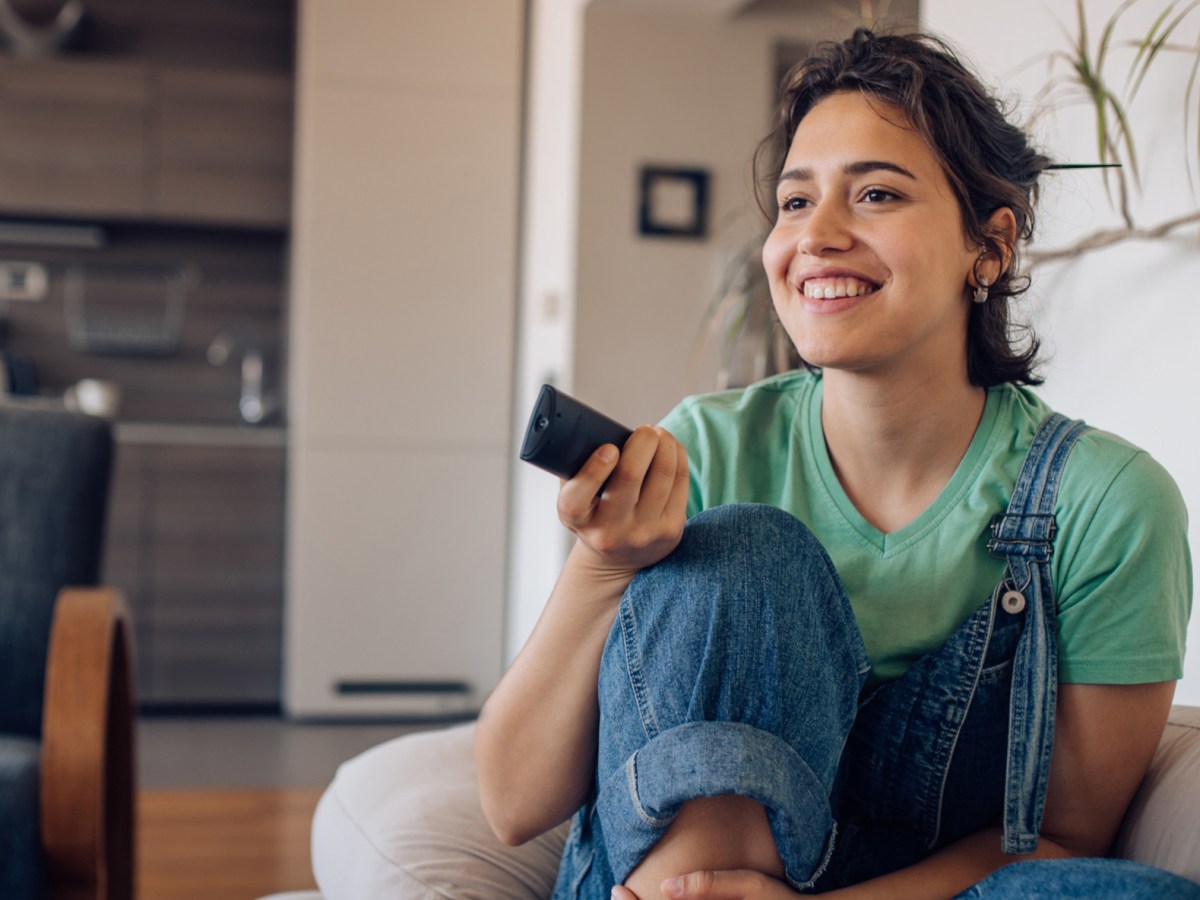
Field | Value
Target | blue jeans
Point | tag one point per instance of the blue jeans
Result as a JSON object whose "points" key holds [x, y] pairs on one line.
{"points": [[735, 666], [698, 695], [1064, 879]]}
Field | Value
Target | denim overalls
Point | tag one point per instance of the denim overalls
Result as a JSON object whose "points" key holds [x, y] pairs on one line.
{"points": [[735, 666]]}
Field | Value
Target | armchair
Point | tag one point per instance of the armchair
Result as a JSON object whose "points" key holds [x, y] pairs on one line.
{"points": [[66, 712]]}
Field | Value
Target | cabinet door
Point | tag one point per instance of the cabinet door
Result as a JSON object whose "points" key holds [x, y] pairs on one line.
{"points": [[124, 561], [222, 147], [74, 138], [214, 575]]}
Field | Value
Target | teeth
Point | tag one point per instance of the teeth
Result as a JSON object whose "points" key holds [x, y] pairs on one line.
{"points": [[833, 288]]}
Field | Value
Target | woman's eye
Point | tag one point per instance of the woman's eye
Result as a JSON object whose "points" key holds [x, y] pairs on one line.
{"points": [[878, 195], [791, 204]]}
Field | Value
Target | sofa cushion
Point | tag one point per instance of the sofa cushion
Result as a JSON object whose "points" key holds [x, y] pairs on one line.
{"points": [[403, 820], [1162, 827], [21, 872]]}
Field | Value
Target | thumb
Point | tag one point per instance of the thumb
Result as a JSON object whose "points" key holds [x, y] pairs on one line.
{"points": [[734, 884]]}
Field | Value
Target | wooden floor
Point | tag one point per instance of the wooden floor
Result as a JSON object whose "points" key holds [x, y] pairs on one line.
{"points": [[220, 844]]}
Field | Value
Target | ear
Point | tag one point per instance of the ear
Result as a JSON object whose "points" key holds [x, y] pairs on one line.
{"points": [[1001, 225]]}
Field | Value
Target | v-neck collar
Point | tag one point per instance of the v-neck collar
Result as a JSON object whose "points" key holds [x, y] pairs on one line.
{"points": [[965, 474]]}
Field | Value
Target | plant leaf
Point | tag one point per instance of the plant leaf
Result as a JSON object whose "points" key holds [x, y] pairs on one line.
{"points": [[1156, 43]]}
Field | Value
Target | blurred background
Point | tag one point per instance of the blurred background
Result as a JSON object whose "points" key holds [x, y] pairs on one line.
{"points": [[315, 257]]}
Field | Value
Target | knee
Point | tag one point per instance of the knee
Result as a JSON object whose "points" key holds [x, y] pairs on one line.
{"points": [[743, 569], [737, 526]]}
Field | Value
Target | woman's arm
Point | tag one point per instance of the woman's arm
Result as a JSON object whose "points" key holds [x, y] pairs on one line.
{"points": [[1105, 739], [535, 745]]}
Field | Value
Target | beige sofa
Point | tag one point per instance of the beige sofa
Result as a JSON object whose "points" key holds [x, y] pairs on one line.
{"points": [[402, 821]]}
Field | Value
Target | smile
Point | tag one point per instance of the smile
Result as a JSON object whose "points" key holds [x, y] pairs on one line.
{"points": [[835, 288]]}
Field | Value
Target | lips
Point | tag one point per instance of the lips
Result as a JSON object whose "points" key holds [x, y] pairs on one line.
{"points": [[837, 286]]}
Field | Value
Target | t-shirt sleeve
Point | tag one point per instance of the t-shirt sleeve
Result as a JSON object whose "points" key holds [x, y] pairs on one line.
{"points": [[1123, 574]]}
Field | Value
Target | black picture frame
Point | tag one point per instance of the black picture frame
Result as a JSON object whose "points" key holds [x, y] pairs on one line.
{"points": [[673, 202]]}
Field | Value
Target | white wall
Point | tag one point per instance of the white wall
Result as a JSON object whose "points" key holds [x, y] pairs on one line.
{"points": [[546, 296], [1122, 323]]}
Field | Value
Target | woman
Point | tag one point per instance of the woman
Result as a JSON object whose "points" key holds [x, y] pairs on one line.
{"points": [[966, 653]]}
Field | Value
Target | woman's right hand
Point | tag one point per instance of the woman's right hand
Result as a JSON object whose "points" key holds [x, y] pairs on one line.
{"points": [[639, 518]]}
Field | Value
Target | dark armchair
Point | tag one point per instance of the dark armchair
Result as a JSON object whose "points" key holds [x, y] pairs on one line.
{"points": [[66, 710]]}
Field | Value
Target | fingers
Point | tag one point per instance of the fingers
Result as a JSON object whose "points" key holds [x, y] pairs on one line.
{"points": [[646, 474], [623, 893], [641, 465], [677, 502], [640, 517], [736, 884], [577, 497]]}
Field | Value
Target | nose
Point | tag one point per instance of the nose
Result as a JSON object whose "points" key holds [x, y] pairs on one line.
{"points": [[825, 230]]}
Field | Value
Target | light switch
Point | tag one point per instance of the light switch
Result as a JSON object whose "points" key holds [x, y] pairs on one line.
{"points": [[22, 280]]}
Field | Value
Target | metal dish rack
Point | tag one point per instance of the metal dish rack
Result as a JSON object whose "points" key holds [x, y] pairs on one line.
{"points": [[118, 310]]}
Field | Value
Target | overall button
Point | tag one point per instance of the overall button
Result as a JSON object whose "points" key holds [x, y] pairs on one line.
{"points": [[1013, 601]]}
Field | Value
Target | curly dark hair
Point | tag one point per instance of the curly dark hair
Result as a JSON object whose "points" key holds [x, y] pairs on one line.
{"points": [[988, 161]]}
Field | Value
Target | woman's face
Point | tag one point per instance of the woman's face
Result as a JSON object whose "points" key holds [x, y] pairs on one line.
{"points": [[867, 261]]}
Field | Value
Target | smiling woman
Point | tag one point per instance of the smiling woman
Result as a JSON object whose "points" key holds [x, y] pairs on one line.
{"points": [[848, 260], [879, 628]]}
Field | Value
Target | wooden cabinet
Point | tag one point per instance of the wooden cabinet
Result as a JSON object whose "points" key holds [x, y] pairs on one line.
{"points": [[221, 144], [74, 138], [196, 542], [149, 142]]}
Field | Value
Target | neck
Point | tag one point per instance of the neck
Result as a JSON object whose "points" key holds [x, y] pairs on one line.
{"points": [[896, 440]]}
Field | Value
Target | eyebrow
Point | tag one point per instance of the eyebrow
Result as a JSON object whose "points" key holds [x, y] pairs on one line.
{"points": [[862, 167]]}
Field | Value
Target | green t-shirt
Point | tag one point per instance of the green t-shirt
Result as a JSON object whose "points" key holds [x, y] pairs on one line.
{"points": [[1121, 567]]}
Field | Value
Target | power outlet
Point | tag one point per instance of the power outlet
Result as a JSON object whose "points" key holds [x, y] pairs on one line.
{"points": [[22, 280]]}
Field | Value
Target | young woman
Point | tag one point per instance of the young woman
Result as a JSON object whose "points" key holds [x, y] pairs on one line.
{"points": [[877, 627]]}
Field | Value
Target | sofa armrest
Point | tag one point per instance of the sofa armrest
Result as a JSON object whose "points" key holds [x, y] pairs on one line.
{"points": [[87, 779], [1162, 826]]}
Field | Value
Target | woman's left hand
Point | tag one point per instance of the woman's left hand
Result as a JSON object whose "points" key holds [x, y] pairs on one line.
{"points": [[732, 884]]}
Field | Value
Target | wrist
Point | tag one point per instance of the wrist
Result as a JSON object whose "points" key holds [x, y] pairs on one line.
{"points": [[601, 569]]}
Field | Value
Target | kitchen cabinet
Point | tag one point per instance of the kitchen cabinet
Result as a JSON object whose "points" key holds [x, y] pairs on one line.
{"points": [[195, 541], [108, 140], [401, 318], [74, 138], [221, 145]]}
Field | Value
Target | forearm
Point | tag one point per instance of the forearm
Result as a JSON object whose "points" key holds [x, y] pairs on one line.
{"points": [[949, 871], [536, 737]]}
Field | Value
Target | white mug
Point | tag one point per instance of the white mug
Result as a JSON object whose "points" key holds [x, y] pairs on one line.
{"points": [[94, 397]]}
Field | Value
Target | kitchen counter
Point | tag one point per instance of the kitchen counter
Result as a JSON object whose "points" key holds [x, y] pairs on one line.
{"points": [[194, 435]]}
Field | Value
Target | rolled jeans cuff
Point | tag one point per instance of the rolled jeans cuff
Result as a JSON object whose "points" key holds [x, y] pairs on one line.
{"points": [[706, 759]]}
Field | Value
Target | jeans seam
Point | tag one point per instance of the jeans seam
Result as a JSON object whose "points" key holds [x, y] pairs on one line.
{"points": [[981, 658], [633, 668], [631, 779]]}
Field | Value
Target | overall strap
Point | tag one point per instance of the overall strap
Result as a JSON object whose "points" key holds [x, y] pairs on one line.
{"points": [[1024, 535]]}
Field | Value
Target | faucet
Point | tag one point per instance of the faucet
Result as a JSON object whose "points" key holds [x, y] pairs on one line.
{"points": [[253, 405]]}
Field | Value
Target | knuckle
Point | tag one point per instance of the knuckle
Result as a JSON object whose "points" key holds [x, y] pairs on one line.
{"points": [[702, 882], [568, 511], [623, 477], [605, 542]]}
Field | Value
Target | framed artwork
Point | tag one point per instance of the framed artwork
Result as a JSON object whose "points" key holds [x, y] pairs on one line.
{"points": [[673, 202]]}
